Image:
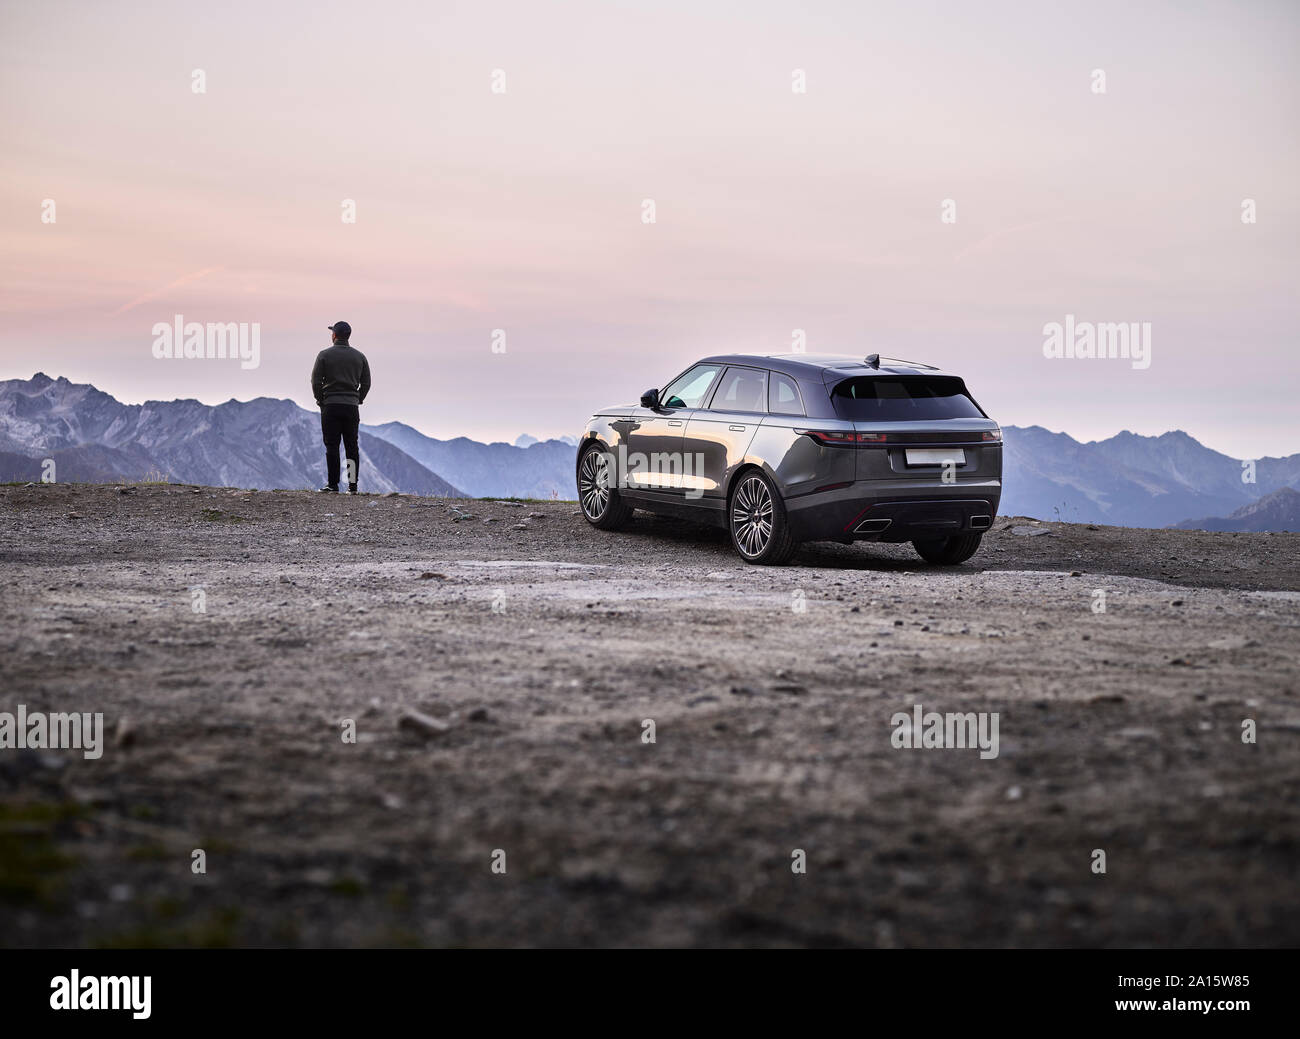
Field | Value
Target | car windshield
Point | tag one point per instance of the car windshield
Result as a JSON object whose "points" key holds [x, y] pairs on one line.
{"points": [[902, 399]]}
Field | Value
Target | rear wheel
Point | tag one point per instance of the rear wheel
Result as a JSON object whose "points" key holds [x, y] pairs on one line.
{"points": [[756, 517], [598, 493], [948, 551]]}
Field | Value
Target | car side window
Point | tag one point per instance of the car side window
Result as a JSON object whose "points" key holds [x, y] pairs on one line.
{"points": [[741, 389], [690, 389], [783, 396]]}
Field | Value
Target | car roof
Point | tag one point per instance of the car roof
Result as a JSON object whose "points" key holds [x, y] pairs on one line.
{"points": [[818, 365]]}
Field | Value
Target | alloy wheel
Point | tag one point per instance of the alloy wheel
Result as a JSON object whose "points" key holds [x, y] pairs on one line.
{"points": [[751, 516], [593, 483]]}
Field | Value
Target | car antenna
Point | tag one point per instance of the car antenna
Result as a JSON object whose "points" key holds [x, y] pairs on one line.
{"points": [[873, 360]]}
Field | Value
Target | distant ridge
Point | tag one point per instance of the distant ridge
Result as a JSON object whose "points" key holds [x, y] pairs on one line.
{"points": [[263, 443], [1277, 511], [1125, 480]]}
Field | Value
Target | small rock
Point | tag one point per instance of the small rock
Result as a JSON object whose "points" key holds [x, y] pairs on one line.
{"points": [[479, 714], [1138, 734], [429, 575], [421, 724], [519, 526], [792, 688], [1031, 532], [1014, 793]]}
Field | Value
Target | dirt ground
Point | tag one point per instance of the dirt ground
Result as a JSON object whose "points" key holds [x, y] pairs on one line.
{"points": [[543, 651]]}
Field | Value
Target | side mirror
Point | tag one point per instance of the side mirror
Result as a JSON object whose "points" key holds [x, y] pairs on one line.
{"points": [[650, 399]]}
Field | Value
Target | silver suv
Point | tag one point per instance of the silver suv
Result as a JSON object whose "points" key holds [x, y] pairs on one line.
{"points": [[787, 448]]}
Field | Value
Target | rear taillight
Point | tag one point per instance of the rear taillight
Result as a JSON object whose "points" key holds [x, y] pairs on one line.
{"points": [[842, 438], [991, 434]]}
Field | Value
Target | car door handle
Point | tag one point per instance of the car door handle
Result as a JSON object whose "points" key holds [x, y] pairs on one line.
{"points": [[737, 429], [674, 422]]}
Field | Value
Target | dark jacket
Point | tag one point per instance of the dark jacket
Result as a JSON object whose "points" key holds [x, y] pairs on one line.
{"points": [[341, 375]]}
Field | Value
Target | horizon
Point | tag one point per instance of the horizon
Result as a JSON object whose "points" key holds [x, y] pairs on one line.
{"points": [[446, 436], [469, 189]]}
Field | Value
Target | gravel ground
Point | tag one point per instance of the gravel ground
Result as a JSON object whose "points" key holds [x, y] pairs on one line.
{"points": [[538, 655]]}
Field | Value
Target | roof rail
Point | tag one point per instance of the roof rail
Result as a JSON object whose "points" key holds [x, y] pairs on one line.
{"points": [[914, 364]]}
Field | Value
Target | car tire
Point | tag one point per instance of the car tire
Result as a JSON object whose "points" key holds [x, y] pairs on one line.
{"points": [[760, 530], [598, 495], [948, 551]]}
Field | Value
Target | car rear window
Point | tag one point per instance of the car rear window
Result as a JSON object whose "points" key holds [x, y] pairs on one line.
{"points": [[902, 398]]}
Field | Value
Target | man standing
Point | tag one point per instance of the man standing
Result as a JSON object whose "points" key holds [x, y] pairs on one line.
{"points": [[340, 381]]}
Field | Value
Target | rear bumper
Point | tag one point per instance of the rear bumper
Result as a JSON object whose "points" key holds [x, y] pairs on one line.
{"points": [[850, 515]]}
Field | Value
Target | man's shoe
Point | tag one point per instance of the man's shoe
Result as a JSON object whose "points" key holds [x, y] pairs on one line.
{"points": [[327, 490], [352, 488]]}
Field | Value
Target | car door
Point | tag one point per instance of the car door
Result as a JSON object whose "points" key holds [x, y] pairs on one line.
{"points": [[654, 441], [718, 436]]}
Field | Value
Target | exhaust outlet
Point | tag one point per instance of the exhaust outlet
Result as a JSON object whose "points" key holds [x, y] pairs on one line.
{"points": [[872, 526], [981, 522]]}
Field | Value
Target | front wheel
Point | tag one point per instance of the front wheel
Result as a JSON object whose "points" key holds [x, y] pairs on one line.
{"points": [[948, 551], [756, 516], [602, 505]]}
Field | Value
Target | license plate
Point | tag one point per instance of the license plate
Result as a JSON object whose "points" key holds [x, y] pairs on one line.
{"points": [[935, 455]]}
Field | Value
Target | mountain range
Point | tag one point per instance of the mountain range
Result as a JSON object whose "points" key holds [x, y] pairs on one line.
{"points": [[1277, 511], [1126, 480]]}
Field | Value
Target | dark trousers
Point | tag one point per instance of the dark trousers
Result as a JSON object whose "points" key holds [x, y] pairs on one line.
{"points": [[340, 421]]}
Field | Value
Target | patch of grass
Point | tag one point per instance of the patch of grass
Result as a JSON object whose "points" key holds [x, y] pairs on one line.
{"points": [[398, 898], [148, 853], [217, 516], [347, 885], [219, 929], [32, 866], [168, 907], [214, 845], [395, 938]]}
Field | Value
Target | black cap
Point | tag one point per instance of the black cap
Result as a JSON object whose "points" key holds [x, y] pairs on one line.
{"points": [[341, 329]]}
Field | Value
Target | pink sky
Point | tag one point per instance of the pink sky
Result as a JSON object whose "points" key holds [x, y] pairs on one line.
{"points": [[775, 210]]}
